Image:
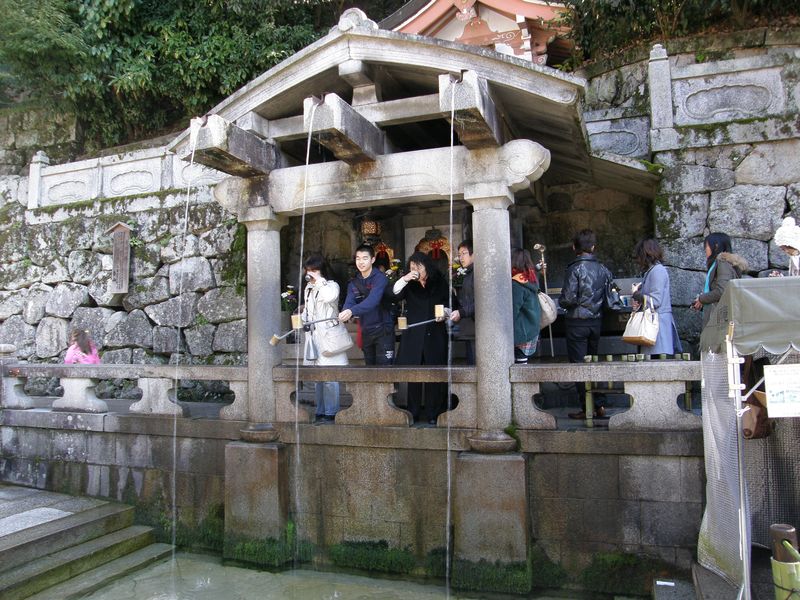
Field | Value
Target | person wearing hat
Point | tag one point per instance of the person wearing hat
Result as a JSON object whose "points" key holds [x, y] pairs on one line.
{"points": [[788, 238]]}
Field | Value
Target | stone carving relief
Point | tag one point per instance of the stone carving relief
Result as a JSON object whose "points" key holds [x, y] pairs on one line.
{"points": [[132, 182], [727, 96], [625, 137], [67, 191], [195, 174], [731, 101], [625, 143]]}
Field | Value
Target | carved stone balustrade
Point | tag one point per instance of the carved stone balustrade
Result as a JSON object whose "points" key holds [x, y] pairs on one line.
{"points": [[157, 383]]}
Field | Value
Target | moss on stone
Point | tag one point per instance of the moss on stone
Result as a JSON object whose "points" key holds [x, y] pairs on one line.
{"points": [[436, 563], [234, 271], [206, 534], [372, 556], [509, 578], [622, 573], [269, 552], [544, 572], [652, 168]]}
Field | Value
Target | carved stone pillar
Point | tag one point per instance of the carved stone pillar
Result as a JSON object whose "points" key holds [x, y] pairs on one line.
{"points": [[263, 315], [494, 329], [660, 81]]}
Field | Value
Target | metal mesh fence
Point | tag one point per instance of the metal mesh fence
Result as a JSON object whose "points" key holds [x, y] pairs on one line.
{"points": [[718, 544], [771, 473]]}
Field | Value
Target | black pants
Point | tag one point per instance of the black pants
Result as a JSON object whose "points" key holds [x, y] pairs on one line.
{"points": [[583, 337], [378, 346], [426, 401]]}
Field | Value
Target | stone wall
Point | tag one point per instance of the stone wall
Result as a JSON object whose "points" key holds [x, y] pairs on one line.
{"points": [[727, 138], [24, 130], [57, 264], [588, 492], [122, 458]]}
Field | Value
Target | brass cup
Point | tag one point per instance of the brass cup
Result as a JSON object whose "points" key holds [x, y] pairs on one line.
{"points": [[275, 340]]}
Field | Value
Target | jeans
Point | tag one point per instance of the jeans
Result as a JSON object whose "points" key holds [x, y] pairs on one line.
{"points": [[327, 397], [378, 348]]}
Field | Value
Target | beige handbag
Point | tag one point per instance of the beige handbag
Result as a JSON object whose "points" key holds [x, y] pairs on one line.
{"points": [[549, 311], [333, 339], [642, 327]]}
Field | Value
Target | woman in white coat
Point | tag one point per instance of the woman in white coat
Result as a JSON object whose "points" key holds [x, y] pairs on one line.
{"points": [[322, 302]]}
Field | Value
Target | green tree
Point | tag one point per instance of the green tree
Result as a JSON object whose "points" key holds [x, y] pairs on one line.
{"points": [[131, 67]]}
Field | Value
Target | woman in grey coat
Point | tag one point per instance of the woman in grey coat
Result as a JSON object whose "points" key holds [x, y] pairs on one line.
{"points": [[655, 289]]}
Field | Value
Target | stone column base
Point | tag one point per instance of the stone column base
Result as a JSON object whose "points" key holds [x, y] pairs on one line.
{"points": [[490, 523], [256, 494]]}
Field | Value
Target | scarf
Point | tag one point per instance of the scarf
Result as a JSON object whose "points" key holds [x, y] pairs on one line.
{"points": [[523, 276], [707, 286]]}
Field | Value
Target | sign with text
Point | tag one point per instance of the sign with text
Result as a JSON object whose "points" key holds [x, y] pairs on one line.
{"points": [[783, 390], [120, 270]]}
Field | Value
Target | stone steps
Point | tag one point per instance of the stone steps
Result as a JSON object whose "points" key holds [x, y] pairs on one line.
{"points": [[33, 542], [57, 567], [97, 578]]}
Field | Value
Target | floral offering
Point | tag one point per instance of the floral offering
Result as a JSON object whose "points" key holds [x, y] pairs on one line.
{"points": [[458, 274], [289, 299], [395, 271]]}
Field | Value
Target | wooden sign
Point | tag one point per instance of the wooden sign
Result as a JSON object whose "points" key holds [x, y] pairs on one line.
{"points": [[120, 270]]}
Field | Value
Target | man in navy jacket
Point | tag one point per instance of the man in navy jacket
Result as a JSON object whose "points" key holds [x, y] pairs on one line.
{"points": [[365, 301]]}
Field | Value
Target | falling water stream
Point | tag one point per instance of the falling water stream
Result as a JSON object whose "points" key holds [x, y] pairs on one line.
{"points": [[298, 345], [447, 539]]}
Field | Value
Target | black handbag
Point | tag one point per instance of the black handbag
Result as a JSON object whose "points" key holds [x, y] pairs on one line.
{"points": [[611, 299]]}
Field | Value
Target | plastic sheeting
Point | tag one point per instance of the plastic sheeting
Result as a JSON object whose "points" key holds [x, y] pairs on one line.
{"points": [[718, 547], [771, 472], [765, 313]]}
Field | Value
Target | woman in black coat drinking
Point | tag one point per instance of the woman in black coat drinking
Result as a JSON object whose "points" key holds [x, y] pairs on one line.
{"points": [[422, 288]]}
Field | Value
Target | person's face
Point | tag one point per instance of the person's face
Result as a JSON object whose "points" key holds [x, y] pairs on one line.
{"points": [[364, 262], [790, 251], [420, 268], [315, 273], [708, 250], [464, 257]]}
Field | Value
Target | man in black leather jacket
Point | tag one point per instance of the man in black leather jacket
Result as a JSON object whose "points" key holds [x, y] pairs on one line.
{"points": [[583, 297]]}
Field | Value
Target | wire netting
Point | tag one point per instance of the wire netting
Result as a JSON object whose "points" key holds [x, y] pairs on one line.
{"points": [[771, 468]]}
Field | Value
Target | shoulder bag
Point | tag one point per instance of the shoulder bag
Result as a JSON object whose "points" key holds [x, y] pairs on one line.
{"points": [[642, 327], [333, 338], [549, 310]]}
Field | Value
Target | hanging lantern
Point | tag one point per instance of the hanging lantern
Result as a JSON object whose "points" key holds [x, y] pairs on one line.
{"points": [[370, 228]]}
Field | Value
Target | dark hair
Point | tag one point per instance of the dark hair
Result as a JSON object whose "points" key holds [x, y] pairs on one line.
{"points": [[647, 253], [84, 341], [382, 260], [718, 242], [467, 243], [584, 241], [365, 248], [423, 259], [316, 262], [521, 262]]}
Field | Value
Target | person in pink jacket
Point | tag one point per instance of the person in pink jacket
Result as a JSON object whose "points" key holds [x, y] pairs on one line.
{"points": [[82, 350]]}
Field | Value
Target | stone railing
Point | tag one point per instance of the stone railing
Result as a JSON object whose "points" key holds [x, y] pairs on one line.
{"points": [[140, 172], [653, 386], [373, 390], [157, 383]]}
